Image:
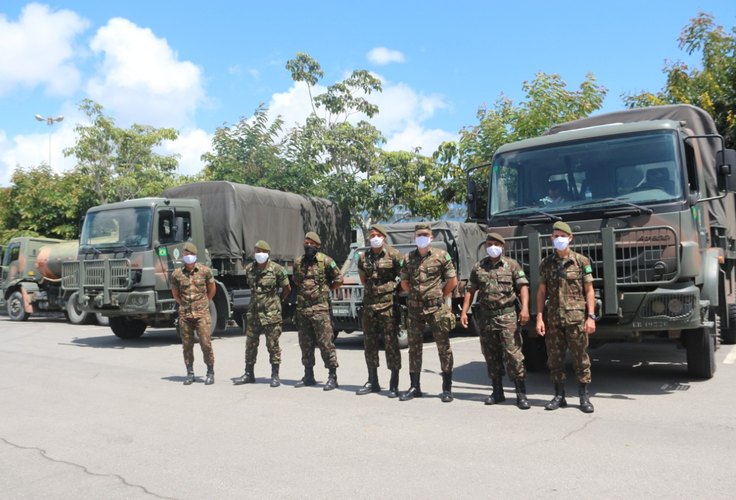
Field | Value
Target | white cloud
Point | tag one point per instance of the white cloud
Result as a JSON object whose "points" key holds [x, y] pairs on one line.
{"points": [[415, 136], [190, 146], [32, 150], [38, 50], [382, 55], [293, 105], [141, 79]]}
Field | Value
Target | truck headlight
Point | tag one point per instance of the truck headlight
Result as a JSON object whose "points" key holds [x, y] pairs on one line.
{"points": [[675, 306]]}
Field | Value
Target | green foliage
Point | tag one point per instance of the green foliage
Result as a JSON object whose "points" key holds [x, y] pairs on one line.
{"points": [[712, 87]]}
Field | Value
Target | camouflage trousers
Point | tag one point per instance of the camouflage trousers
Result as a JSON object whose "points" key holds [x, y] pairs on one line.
{"points": [[252, 341], [441, 321], [315, 330], [377, 324], [558, 340], [500, 338], [202, 326]]}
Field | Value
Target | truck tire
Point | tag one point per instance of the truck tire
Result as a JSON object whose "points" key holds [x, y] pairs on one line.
{"points": [[728, 335], [126, 328], [535, 353], [700, 346], [74, 313], [16, 311], [102, 320]]}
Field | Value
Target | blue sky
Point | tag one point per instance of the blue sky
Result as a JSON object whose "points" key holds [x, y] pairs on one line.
{"points": [[195, 66]]}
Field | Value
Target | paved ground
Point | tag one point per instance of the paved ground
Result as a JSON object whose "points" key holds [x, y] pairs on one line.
{"points": [[86, 415]]}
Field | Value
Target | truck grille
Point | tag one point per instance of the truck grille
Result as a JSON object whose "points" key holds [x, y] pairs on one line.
{"points": [[70, 275], [93, 273]]}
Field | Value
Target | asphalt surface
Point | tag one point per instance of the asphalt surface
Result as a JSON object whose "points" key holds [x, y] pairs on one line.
{"points": [[86, 415]]}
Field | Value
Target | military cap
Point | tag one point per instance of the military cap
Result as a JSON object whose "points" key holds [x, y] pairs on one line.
{"points": [[380, 229], [422, 226], [311, 235], [190, 247], [495, 237], [263, 245], [562, 226]]}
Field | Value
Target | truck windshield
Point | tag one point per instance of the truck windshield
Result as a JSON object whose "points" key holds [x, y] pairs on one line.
{"points": [[117, 228], [640, 169]]}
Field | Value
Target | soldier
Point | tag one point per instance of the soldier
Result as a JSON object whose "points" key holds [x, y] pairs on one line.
{"points": [[378, 269], [566, 282], [193, 287], [315, 274], [500, 281], [425, 271], [265, 277]]}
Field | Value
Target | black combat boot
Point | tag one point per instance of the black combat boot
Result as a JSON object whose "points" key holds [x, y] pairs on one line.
{"points": [[559, 400], [248, 377], [415, 391], [275, 380], [331, 380], [521, 402], [585, 405], [497, 396], [372, 384], [210, 378], [446, 387], [190, 375], [308, 377], [393, 385]]}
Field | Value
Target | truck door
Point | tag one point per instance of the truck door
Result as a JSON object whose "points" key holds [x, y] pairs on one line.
{"points": [[10, 263]]}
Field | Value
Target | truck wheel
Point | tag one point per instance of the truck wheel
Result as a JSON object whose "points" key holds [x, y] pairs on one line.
{"points": [[126, 328], [16, 311], [700, 346], [102, 320], [535, 353], [728, 335], [74, 314]]}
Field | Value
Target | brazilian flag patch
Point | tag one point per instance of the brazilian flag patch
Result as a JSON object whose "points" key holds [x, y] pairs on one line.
{"points": [[447, 256], [521, 274], [588, 270], [162, 252], [332, 264]]}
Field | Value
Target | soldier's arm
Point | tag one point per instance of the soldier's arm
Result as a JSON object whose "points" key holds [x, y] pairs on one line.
{"points": [[449, 286], [524, 297], [589, 326], [211, 289], [467, 299], [285, 292], [175, 289], [334, 275], [541, 296]]}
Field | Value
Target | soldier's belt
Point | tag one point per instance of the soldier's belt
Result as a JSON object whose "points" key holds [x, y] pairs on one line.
{"points": [[425, 303], [492, 313]]}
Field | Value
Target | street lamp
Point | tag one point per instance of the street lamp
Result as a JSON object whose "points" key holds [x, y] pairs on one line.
{"points": [[49, 121]]}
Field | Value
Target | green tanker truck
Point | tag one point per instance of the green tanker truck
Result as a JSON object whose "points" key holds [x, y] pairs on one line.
{"points": [[649, 194]]}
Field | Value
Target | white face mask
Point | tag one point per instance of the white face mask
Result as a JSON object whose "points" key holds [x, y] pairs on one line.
{"points": [[494, 251], [561, 242], [261, 257], [189, 259], [422, 241], [376, 242]]}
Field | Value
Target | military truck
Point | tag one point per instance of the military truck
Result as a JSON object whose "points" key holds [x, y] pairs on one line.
{"points": [[649, 194], [31, 279], [128, 250]]}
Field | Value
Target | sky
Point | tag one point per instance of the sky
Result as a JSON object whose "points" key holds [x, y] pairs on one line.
{"points": [[196, 66]]}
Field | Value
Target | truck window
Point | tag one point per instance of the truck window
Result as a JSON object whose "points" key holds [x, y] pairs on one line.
{"points": [[175, 229], [11, 254], [123, 227]]}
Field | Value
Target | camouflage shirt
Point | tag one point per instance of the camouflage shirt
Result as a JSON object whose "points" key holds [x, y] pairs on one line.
{"points": [[380, 271], [498, 282], [313, 280], [192, 288], [565, 279], [265, 300], [426, 275]]}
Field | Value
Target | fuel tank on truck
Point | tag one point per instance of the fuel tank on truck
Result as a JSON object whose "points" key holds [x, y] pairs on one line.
{"points": [[50, 257]]}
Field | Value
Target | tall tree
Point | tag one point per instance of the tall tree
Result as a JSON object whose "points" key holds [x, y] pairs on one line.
{"points": [[712, 86]]}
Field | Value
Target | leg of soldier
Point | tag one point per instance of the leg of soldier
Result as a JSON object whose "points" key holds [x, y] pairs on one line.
{"points": [[186, 331], [510, 338], [484, 335], [415, 325], [442, 322], [577, 341], [307, 341], [495, 351], [252, 341], [390, 328], [324, 334], [273, 334], [204, 325], [371, 328], [556, 349]]}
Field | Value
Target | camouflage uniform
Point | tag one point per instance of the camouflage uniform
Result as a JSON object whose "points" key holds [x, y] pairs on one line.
{"points": [[194, 311], [498, 285], [566, 313], [313, 280], [379, 316], [427, 306], [264, 313]]}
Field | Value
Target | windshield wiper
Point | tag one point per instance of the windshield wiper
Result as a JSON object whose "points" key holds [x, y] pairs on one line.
{"points": [[638, 208]]}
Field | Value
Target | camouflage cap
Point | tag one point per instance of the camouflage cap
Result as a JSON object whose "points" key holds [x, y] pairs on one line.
{"points": [[422, 226], [495, 237], [380, 229], [562, 226], [311, 235], [263, 245], [190, 247]]}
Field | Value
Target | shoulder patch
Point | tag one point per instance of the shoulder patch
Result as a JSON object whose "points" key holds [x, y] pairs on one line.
{"points": [[332, 264], [447, 257], [588, 270], [521, 273]]}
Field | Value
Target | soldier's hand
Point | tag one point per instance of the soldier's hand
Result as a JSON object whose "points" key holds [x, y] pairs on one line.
{"points": [[524, 317], [464, 320], [540, 327], [589, 326]]}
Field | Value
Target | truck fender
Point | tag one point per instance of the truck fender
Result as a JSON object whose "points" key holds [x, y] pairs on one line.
{"points": [[222, 303], [711, 276]]}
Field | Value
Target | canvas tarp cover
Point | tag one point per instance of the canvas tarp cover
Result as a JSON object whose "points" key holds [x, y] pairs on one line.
{"points": [[236, 216], [463, 239], [722, 212]]}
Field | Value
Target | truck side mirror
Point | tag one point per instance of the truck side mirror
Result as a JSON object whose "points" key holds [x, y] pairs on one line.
{"points": [[472, 199], [726, 169]]}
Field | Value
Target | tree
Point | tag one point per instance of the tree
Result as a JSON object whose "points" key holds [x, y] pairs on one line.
{"points": [[712, 87]]}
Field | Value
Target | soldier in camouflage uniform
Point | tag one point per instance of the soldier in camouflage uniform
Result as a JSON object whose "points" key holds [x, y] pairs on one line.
{"points": [[566, 283], [264, 278], [429, 277], [315, 274], [500, 282], [378, 268], [193, 287]]}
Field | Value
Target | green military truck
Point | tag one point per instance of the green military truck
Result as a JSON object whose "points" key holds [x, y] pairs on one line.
{"points": [[649, 194], [31, 279], [128, 250]]}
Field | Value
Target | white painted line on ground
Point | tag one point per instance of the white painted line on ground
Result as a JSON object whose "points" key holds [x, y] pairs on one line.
{"points": [[731, 357]]}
